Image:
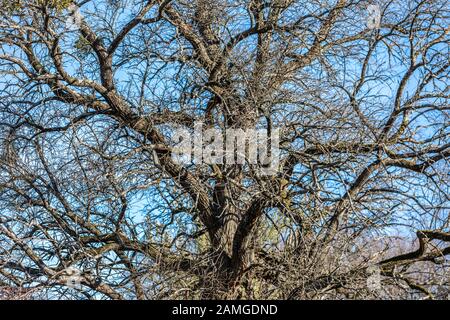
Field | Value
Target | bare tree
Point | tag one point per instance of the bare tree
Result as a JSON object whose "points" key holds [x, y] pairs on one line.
{"points": [[94, 205]]}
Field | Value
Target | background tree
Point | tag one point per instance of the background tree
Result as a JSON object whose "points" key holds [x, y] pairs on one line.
{"points": [[89, 191]]}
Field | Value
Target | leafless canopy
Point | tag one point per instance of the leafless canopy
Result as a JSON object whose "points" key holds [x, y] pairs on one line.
{"points": [[88, 185]]}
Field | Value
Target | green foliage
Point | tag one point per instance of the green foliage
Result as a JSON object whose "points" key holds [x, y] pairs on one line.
{"points": [[59, 5], [13, 6], [82, 45]]}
